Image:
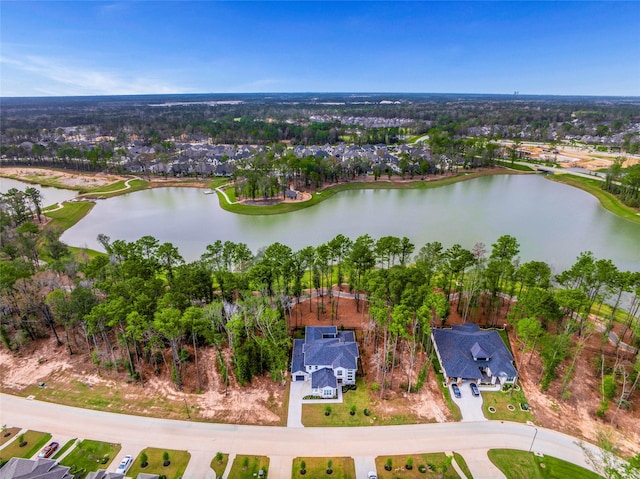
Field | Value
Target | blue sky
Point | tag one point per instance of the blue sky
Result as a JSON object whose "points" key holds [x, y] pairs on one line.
{"points": [[101, 48]]}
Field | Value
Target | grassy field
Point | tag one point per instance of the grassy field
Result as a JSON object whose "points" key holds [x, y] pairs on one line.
{"points": [[178, 463], [118, 188], [334, 189], [435, 465], [68, 216], [247, 467], [8, 434], [361, 398], [104, 398], [501, 401], [34, 441], [220, 466], [514, 166], [217, 182], [526, 465], [316, 467], [607, 200], [90, 456]]}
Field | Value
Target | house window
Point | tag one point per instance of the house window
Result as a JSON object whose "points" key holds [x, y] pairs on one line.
{"points": [[510, 379], [328, 392], [339, 372]]}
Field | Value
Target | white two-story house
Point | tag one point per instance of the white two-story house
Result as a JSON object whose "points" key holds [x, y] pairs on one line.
{"points": [[326, 357]]}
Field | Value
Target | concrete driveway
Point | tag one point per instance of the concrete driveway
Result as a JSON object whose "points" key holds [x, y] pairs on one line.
{"points": [[297, 390], [470, 405]]}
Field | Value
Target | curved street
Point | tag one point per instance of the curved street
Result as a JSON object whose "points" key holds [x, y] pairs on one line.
{"points": [[282, 444]]}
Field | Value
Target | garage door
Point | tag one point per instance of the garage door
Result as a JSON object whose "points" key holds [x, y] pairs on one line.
{"points": [[299, 378]]}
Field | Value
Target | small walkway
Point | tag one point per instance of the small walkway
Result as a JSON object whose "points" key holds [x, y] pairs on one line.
{"points": [[222, 192], [480, 465], [455, 465]]}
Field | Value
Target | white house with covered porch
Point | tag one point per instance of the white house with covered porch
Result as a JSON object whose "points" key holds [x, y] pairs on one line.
{"points": [[326, 357]]}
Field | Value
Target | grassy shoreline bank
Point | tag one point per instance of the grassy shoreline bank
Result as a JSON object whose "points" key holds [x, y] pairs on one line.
{"points": [[329, 191], [607, 200]]}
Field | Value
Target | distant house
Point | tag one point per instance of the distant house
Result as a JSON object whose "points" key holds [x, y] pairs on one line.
{"points": [[467, 352], [326, 357], [290, 194], [34, 469]]}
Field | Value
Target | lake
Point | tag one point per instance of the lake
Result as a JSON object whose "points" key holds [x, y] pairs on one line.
{"points": [[552, 222], [50, 195]]}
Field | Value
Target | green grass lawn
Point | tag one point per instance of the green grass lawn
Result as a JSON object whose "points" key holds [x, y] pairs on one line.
{"points": [[526, 465], [500, 401], [90, 456], [247, 467], [115, 189], [217, 182], [434, 465], [68, 216], [35, 440], [607, 200], [316, 467], [462, 464], [221, 465], [178, 463], [362, 398], [231, 193], [514, 166]]}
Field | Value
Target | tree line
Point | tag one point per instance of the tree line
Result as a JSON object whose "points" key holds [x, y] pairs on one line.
{"points": [[141, 308]]}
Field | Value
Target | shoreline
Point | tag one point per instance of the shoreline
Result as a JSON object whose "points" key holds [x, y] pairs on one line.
{"points": [[329, 191], [607, 200]]}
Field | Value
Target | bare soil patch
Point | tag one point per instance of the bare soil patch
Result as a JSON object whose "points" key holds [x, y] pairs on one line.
{"points": [[63, 178]]}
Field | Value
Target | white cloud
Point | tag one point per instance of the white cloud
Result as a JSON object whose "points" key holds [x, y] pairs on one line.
{"points": [[65, 79]]}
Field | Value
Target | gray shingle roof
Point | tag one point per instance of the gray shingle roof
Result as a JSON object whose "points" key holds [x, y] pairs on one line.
{"points": [[325, 346], [458, 345], [40, 468], [297, 362], [323, 378]]}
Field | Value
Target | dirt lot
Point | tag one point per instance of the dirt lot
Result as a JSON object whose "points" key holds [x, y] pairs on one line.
{"points": [[70, 180]]}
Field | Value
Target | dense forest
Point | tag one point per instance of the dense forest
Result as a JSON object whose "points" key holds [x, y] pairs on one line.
{"points": [[315, 119], [140, 307]]}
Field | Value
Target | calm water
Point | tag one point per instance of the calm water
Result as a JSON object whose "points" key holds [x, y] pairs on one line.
{"points": [[49, 195], [552, 222]]}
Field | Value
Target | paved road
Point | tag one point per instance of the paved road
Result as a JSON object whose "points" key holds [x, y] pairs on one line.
{"points": [[206, 439]]}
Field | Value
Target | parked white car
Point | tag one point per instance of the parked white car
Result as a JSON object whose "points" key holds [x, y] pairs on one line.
{"points": [[125, 464]]}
